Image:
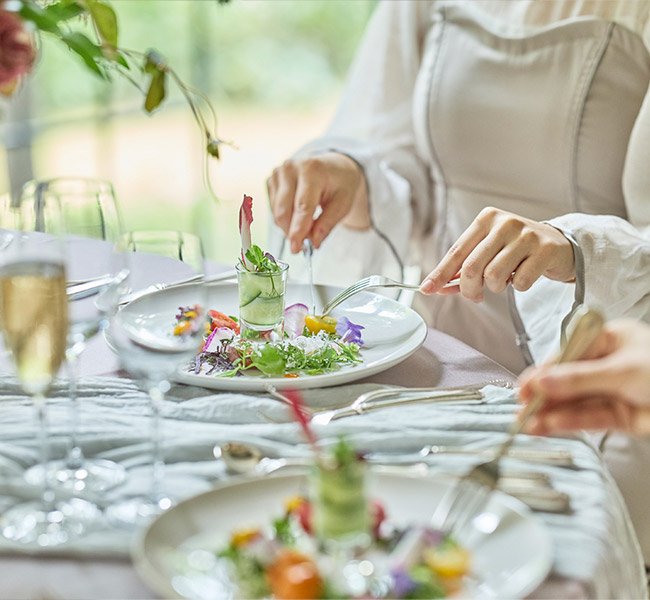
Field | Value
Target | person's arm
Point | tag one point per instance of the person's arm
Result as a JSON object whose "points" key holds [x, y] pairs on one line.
{"points": [[365, 173], [608, 389]]}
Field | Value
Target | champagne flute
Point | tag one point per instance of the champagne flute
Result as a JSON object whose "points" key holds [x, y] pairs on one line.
{"points": [[88, 210], [34, 321], [151, 347]]}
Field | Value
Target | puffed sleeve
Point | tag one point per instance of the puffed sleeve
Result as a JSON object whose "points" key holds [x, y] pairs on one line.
{"points": [[374, 127], [612, 255]]}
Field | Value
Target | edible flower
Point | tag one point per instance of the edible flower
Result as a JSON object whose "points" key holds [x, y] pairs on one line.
{"points": [[294, 319], [215, 340], [245, 221], [349, 331], [241, 537], [403, 585]]}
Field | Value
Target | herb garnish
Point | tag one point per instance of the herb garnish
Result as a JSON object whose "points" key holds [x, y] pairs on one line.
{"points": [[262, 261]]}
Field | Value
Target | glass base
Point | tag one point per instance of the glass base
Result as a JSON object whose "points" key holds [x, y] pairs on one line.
{"points": [[30, 523], [94, 475], [137, 512]]}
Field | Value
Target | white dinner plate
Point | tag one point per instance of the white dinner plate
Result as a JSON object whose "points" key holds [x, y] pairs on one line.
{"points": [[510, 549], [392, 333]]}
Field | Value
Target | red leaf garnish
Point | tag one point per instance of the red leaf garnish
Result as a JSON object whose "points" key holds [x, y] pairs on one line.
{"points": [[245, 221], [300, 414]]}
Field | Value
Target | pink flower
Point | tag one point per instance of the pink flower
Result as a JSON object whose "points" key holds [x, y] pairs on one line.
{"points": [[17, 51]]}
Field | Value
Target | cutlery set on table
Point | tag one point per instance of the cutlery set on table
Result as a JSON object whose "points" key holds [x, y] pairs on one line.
{"points": [[534, 488]]}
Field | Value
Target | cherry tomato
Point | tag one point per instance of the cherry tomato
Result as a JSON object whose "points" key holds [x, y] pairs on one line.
{"points": [[316, 324], [294, 576], [218, 319]]}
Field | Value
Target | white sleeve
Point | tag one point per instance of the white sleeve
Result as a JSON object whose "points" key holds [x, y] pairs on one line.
{"points": [[374, 126]]}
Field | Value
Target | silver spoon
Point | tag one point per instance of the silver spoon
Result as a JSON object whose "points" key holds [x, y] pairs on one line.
{"points": [[242, 459], [532, 488]]}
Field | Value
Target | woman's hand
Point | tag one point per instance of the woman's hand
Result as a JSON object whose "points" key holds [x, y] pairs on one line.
{"points": [[332, 181], [608, 389], [499, 248]]}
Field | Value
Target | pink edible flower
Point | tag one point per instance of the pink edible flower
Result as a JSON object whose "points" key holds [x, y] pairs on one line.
{"points": [[294, 320], [245, 221], [215, 339], [300, 414], [17, 51]]}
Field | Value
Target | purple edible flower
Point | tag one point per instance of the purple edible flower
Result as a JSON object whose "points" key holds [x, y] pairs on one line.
{"points": [[349, 331], [402, 584], [432, 537]]}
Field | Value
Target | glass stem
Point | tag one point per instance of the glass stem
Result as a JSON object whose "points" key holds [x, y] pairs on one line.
{"points": [[157, 396], [75, 457], [47, 493]]}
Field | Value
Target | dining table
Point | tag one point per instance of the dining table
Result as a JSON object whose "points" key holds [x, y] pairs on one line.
{"points": [[595, 551]]}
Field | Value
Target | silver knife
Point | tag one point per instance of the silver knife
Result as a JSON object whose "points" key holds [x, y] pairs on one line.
{"points": [[560, 458], [77, 291], [156, 287]]}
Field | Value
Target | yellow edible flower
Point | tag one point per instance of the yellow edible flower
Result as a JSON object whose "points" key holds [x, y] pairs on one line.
{"points": [[241, 537], [448, 561], [316, 324], [293, 503]]}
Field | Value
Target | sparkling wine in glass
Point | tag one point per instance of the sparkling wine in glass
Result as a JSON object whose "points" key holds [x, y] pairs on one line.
{"points": [[88, 209], [144, 335], [34, 322]]}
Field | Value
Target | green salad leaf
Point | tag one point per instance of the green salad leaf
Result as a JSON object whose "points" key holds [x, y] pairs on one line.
{"points": [[263, 261]]}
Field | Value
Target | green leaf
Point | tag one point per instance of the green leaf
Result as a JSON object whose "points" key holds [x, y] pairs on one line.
{"points": [[156, 93], [30, 11], [85, 48], [105, 21], [269, 360], [63, 11], [213, 147], [155, 63], [120, 60]]}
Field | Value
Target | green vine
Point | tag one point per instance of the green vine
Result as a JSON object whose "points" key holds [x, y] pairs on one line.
{"points": [[103, 56]]}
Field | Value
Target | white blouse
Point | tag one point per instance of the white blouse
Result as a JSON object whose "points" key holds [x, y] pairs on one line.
{"points": [[539, 107]]}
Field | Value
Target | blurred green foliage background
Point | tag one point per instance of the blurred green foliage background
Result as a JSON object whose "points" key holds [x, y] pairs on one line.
{"points": [[273, 69]]}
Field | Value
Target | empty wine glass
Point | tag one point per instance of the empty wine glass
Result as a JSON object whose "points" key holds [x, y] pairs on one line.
{"points": [[154, 335], [34, 321], [88, 210]]}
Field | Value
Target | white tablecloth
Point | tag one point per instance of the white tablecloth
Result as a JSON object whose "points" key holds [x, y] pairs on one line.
{"points": [[596, 554]]}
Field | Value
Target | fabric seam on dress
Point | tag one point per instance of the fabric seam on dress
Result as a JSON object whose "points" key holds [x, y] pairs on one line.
{"points": [[441, 179], [581, 101]]}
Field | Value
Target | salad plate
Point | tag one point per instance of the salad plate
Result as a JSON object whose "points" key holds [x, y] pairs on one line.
{"points": [[392, 332], [511, 552]]}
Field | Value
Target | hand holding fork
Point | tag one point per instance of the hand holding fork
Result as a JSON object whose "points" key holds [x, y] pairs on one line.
{"points": [[465, 499]]}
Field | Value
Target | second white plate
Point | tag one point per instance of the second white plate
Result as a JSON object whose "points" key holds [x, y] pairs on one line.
{"points": [[511, 550]]}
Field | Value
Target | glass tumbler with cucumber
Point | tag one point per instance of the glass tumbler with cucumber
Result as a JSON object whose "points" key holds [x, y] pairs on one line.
{"points": [[261, 281]]}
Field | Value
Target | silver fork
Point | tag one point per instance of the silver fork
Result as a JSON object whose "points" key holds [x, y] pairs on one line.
{"points": [[465, 499], [374, 281], [365, 402]]}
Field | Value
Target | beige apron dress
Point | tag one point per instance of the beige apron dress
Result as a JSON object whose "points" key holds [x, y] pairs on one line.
{"points": [[535, 121], [532, 120]]}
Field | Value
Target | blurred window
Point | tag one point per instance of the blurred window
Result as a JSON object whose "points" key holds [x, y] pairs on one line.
{"points": [[273, 69]]}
